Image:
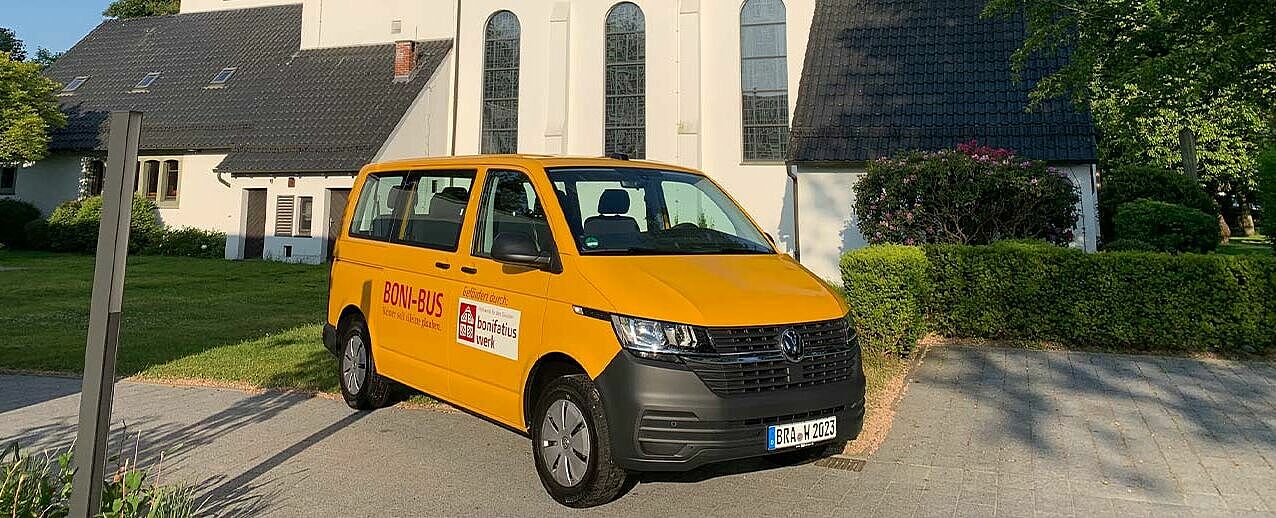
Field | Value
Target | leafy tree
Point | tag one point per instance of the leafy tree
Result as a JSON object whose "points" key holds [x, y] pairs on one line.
{"points": [[45, 57], [1150, 68], [1173, 51], [141, 8], [28, 110], [10, 43]]}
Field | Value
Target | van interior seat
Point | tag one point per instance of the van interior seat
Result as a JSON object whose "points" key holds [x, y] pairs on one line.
{"points": [[611, 219], [441, 225]]}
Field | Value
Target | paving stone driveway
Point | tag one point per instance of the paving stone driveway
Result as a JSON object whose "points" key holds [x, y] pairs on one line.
{"points": [[981, 432], [1013, 432]]}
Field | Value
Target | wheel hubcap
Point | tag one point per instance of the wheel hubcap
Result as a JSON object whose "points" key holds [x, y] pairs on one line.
{"points": [[354, 364], [565, 444]]}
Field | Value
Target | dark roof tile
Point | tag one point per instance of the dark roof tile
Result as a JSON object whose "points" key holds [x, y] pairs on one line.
{"points": [[888, 75], [283, 110]]}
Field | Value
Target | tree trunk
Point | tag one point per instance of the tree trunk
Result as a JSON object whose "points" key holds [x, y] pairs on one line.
{"points": [[1246, 220], [1222, 226]]}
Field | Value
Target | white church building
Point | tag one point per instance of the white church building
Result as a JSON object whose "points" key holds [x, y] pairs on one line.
{"points": [[258, 113]]}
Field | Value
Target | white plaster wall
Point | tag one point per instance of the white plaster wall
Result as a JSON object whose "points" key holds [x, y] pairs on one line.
{"points": [[826, 206], [311, 249], [204, 200], [49, 182], [693, 113], [1086, 233]]}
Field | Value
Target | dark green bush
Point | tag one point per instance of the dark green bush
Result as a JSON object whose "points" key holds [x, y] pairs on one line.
{"points": [[73, 225], [1168, 227], [189, 242], [1267, 194], [1128, 245], [973, 195], [1130, 300], [1122, 185], [36, 234], [887, 287], [14, 216]]}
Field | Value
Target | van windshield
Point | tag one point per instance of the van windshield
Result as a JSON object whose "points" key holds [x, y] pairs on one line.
{"points": [[635, 211]]}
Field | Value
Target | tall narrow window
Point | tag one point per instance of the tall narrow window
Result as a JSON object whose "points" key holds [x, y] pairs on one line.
{"points": [[625, 121], [764, 80], [500, 84], [305, 215], [152, 178], [172, 179], [96, 174]]}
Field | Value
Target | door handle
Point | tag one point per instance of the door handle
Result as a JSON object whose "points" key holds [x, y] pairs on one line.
{"points": [[442, 265], [469, 269]]}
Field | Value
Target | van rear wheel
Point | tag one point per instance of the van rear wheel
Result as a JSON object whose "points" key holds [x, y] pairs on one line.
{"points": [[361, 386], [571, 446]]}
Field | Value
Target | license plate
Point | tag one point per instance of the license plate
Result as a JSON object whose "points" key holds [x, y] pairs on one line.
{"points": [[800, 434]]}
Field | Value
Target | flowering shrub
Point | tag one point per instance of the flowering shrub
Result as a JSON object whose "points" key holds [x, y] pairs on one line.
{"points": [[973, 194]]}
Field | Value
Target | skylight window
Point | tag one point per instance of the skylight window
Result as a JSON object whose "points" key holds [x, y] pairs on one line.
{"points": [[75, 84], [223, 76], [146, 81]]}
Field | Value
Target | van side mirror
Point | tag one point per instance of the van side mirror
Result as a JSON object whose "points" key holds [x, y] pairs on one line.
{"points": [[770, 238], [519, 248]]}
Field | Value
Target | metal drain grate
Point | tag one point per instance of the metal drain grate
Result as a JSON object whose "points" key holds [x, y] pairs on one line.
{"points": [[842, 463]]}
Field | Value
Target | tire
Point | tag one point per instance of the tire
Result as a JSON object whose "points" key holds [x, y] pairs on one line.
{"points": [[799, 456], [361, 386], [575, 397]]}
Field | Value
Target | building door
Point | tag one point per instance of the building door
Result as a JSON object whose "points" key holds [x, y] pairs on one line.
{"points": [[337, 199], [255, 227]]}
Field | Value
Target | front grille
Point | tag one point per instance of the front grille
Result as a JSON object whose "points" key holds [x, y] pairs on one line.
{"points": [[816, 335], [748, 359]]}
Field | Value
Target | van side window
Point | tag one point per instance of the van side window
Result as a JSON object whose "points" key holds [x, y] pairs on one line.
{"points": [[510, 204], [436, 207], [375, 216]]}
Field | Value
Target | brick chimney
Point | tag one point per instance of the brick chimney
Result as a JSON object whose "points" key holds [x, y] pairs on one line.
{"points": [[404, 59]]}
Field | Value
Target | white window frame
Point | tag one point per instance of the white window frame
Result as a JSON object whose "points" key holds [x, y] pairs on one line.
{"points": [[161, 186]]}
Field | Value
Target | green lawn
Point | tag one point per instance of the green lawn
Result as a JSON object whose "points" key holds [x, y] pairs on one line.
{"points": [[254, 323], [1256, 245]]}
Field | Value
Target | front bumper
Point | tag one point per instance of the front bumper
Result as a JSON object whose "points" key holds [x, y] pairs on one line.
{"points": [[662, 417]]}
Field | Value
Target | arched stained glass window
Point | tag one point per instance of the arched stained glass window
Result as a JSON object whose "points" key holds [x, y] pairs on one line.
{"points": [[764, 80], [500, 84], [625, 124]]}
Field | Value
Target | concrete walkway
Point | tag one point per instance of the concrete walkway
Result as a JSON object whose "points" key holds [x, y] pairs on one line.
{"points": [[981, 432]]}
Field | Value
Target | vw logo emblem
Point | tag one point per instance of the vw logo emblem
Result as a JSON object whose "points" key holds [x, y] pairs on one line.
{"points": [[791, 344]]}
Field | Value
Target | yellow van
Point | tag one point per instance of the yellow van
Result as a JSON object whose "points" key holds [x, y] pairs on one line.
{"points": [[627, 315]]}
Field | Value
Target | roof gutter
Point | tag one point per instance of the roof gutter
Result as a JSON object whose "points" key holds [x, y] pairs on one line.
{"points": [[791, 170], [456, 78]]}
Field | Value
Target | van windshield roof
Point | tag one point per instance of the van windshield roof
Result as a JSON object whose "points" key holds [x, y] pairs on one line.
{"points": [[639, 211]]}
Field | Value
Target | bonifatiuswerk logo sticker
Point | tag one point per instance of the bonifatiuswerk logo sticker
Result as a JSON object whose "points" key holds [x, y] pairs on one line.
{"points": [[488, 327]]}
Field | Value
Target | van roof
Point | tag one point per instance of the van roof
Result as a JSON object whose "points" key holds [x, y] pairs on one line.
{"points": [[523, 160]]}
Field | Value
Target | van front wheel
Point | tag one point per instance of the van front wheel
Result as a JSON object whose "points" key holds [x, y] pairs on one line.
{"points": [[361, 386], [571, 446]]}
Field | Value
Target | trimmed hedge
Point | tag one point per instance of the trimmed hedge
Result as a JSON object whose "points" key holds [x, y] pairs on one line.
{"points": [[1168, 227], [888, 286], [14, 216], [1125, 184], [73, 225], [1126, 300], [189, 242], [1267, 194]]}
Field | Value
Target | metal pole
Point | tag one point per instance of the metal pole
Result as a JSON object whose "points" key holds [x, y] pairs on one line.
{"points": [[104, 315]]}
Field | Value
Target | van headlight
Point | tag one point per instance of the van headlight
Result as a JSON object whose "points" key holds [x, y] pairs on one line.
{"points": [[655, 339]]}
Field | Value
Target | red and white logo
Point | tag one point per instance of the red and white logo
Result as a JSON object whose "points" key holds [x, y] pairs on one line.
{"points": [[465, 324]]}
